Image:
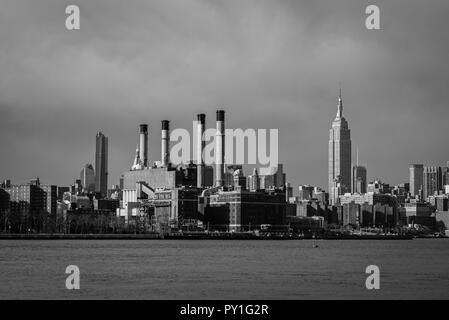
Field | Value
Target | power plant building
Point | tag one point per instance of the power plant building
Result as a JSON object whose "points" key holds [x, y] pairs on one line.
{"points": [[174, 196]]}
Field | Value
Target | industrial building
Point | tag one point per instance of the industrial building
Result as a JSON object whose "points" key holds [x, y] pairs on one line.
{"points": [[196, 194], [242, 210]]}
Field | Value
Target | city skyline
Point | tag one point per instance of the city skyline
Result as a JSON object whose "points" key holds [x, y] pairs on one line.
{"points": [[277, 66]]}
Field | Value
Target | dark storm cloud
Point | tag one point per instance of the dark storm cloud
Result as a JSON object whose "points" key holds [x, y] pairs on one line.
{"points": [[271, 64]]}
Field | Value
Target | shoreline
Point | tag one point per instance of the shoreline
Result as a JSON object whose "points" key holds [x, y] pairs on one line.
{"points": [[199, 236]]}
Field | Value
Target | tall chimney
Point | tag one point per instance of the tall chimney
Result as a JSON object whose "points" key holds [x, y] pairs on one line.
{"points": [[144, 144], [165, 158], [200, 147], [219, 149]]}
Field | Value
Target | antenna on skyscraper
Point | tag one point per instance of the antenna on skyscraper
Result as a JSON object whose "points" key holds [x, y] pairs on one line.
{"points": [[357, 155]]}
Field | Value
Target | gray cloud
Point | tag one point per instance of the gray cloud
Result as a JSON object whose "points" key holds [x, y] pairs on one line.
{"points": [[271, 64]]}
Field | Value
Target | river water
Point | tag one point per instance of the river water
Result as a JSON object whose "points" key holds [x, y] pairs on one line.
{"points": [[224, 269]]}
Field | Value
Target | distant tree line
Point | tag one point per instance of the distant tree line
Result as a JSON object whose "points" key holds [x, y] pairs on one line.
{"points": [[75, 222]]}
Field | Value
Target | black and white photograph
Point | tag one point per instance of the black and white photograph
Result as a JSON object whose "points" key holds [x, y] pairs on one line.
{"points": [[224, 154]]}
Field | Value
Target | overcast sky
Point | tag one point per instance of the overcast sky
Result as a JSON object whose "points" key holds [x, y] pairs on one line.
{"points": [[270, 64]]}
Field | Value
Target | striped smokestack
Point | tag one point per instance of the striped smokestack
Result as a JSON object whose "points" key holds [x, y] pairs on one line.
{"points": [[219, 149], [165, 136], [200, 147], [143, 145]]}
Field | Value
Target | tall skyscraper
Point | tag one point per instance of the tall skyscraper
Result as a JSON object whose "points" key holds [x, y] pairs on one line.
{"points": [[416, 178], [432, 181], [359, 181], [101, 164], [87, 176], [339, 155]]}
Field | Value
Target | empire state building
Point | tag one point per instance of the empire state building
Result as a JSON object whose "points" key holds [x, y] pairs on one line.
{"points": [[339, 156]]}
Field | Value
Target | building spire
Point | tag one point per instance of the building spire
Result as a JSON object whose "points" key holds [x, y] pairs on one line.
{"points": [[340, 105]]}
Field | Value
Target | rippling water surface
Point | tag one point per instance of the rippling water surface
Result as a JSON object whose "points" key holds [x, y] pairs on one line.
{"points": [[214, 269]]}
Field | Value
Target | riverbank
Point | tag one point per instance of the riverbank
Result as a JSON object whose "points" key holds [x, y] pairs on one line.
{"points": [[197, 236]]}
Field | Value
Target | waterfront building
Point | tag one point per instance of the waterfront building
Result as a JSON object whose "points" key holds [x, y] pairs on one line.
{"points": [[27, 204], [306, 225], [373, 199], [417, 209], [4, 200], [164, 179], [101, 164], [351, 214], [368, 215], [339, 155], [242, 210], [317, 208], [369, 197]]}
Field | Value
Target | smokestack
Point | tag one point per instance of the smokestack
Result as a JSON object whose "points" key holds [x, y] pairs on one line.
{"points": [[143, 147], [219, 149], [165, 158], [200, 143]]}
